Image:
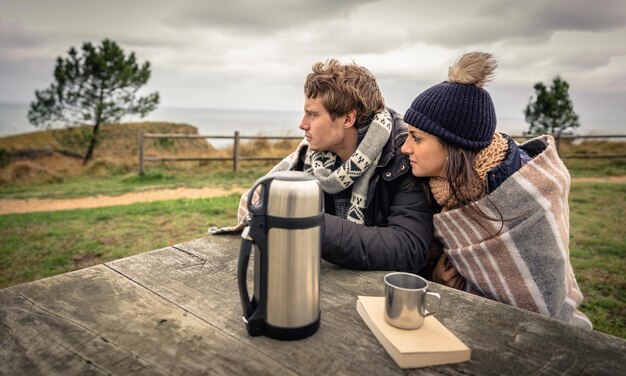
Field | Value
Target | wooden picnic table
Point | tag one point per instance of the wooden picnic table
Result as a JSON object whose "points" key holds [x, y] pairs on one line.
{"points": [[176, 311]]}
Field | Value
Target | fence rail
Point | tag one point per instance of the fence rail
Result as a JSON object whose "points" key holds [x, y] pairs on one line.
{"points": [[235, 158]]}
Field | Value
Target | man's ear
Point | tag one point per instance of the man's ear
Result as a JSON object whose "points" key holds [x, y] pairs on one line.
{"points": [[350, 119]]}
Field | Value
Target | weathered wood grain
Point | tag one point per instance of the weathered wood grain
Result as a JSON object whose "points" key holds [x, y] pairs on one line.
{"points": [[97, 321], [209, 290], [504, 340], [177, 311]]}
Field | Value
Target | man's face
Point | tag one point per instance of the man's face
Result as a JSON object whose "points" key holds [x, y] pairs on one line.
{"points": [[321, 131]]}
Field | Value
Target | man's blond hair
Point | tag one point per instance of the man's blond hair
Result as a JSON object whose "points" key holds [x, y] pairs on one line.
{"points": [[343, 88]]}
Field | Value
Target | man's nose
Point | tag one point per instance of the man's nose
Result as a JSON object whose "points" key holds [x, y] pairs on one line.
{"points": [[303, 125]]}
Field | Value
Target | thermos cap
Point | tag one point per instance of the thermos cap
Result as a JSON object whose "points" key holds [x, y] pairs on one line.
{"points": [[294, 194], [292, 176]]}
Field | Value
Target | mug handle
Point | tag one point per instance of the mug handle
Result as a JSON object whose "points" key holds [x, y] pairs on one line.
{"points": [[435, 294]]}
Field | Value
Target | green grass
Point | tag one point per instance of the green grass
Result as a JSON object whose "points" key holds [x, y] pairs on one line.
{"points": [[117, 184], [39, 245], [581, 168], [598, 252]]}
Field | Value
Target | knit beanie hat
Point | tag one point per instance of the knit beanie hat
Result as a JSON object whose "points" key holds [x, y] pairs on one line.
{"points": [[459, 111]]}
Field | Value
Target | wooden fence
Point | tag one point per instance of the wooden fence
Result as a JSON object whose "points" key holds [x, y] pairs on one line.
{"points": [[235, 158]]}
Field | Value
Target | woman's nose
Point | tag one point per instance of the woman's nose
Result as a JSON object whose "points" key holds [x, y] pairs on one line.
{"points": [[406, 149]]}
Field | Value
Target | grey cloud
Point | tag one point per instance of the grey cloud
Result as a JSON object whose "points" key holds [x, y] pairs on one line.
{"points": [[14, 36], [357, 38], [34, 74], [249, 16], [577, 15], [531, 21], [16, 42], [584, 60]]}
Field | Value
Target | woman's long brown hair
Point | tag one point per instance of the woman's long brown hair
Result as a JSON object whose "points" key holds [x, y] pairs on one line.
{"points": [[460, 171]]}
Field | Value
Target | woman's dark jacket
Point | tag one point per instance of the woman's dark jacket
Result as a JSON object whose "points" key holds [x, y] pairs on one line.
{"points": [[398, 217], [514, 159]]}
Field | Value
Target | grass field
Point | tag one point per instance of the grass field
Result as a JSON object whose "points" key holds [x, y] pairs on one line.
{"points": [[117, 184], [598, 252], [39, 245]]}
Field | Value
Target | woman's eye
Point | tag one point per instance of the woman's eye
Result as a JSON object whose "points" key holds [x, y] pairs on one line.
{"points": [[416, 138]]}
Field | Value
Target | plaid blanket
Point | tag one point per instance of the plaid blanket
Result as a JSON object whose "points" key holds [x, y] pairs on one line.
{"points": [[527, 263]]}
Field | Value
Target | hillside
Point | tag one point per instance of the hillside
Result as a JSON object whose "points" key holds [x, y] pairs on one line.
{"points": [[57, 154]]}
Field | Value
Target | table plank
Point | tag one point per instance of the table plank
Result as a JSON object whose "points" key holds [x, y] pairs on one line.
{"points": [[36, 342], [176, 310], [509, 340], [96, 321], [209, 290]]}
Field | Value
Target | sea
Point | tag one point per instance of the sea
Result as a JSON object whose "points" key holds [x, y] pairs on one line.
{"points": [[224, 122]]}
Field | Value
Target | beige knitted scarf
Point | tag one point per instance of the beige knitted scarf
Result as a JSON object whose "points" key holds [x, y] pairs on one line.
{"points": [[486, 159]]}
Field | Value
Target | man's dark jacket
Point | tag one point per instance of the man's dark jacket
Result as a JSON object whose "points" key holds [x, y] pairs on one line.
{"points": [[398, 217]]}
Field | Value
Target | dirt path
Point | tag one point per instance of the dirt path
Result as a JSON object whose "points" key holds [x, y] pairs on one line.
{"points": [[39, 205]]}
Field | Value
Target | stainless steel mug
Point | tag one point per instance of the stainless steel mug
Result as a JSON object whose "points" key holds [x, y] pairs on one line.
{"points": [[405, 300], [286, 212]]}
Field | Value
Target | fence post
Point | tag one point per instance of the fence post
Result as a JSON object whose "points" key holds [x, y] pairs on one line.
{"points": [[140, 141], [235, 151], [558, 143]]}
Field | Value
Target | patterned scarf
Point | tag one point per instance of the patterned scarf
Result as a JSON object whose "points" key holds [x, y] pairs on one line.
{"points": [[357, 170]]}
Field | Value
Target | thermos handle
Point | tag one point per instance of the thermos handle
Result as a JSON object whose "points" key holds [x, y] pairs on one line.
{"points": [[242, 273], [253, 314], [260, 210]]}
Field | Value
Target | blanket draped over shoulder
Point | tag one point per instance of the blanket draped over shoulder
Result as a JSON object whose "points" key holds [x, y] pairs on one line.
{"points": [[527, 263]]}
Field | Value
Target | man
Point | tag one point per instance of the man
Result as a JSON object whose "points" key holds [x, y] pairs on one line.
{"points": [[376, 213]]}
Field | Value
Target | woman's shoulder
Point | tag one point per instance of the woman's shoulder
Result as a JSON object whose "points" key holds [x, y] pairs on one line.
{"points": [[514, 159]]}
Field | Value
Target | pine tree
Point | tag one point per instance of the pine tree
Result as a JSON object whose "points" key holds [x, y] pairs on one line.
{"points": [[551, 110], [96, 87]]}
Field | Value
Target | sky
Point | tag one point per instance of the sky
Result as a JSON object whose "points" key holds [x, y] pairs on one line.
{"points": [[245, 54]]}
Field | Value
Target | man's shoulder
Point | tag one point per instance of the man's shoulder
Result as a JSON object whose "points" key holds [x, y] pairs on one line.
{"points": [[399, 131], [393, 162]]}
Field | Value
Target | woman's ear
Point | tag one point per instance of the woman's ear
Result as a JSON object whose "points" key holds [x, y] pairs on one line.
{"points": [[350, 119]]}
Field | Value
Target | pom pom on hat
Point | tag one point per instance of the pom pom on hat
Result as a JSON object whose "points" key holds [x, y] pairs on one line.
{"points": [[459, 111], [474, 68]]}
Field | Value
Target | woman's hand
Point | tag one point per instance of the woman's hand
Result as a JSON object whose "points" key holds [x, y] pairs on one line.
{"points": [[446, 274]]}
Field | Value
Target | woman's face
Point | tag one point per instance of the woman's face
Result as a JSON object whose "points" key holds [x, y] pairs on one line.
{"points": [[426, 153]]}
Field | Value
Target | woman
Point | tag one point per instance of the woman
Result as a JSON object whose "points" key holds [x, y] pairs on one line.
{"points": [[504, 219]]}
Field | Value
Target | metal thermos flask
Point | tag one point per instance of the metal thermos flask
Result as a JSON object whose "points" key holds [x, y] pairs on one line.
{"points": [[284, 224]]}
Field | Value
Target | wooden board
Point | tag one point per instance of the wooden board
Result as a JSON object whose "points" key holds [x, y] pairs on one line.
{"points": [[177, 311], [96, 321], [208, 289]]}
